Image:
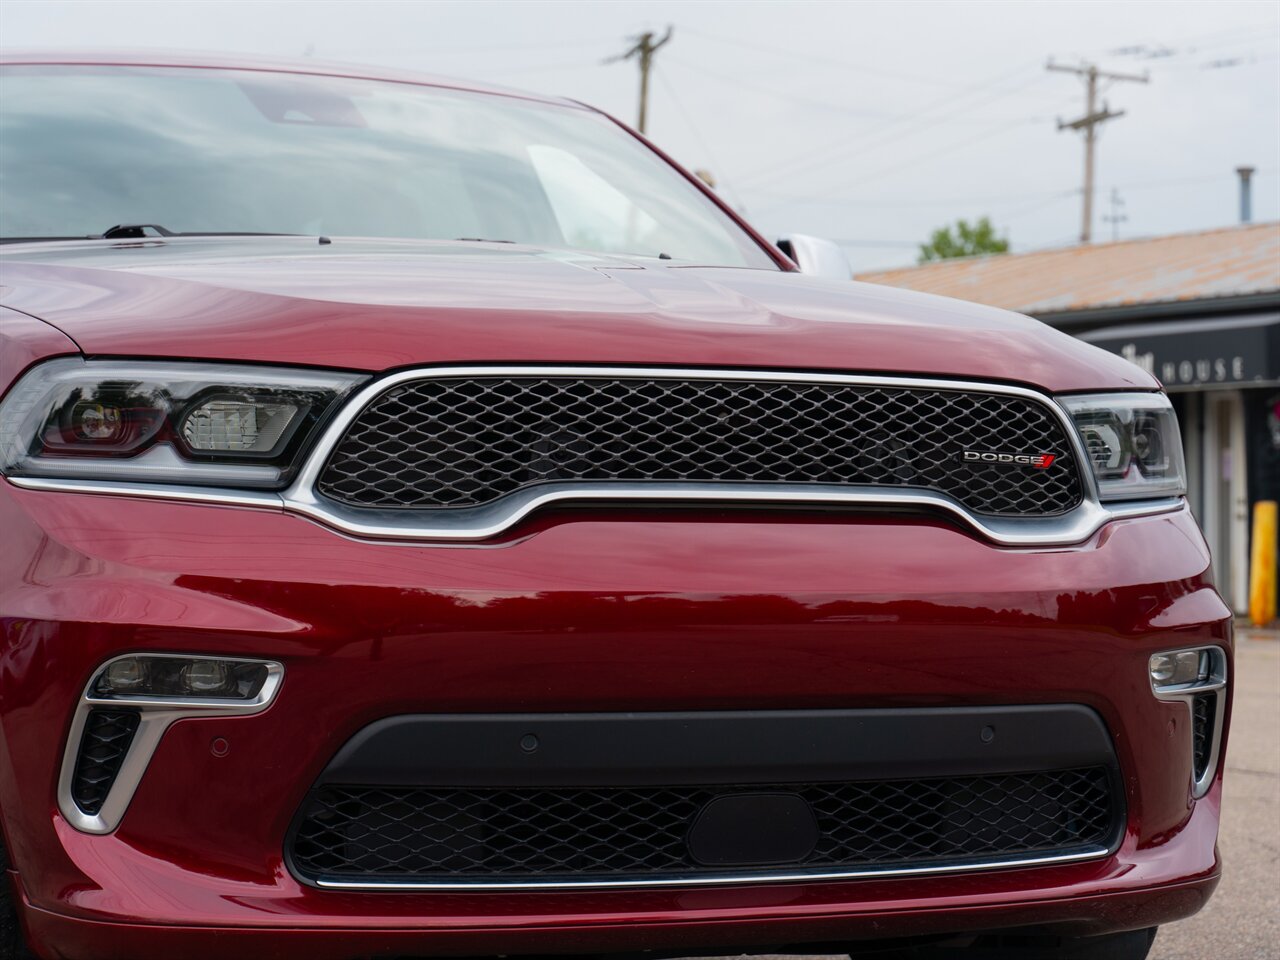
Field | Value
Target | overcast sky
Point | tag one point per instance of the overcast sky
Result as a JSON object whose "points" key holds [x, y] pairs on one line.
{"points": [[868, 123]]}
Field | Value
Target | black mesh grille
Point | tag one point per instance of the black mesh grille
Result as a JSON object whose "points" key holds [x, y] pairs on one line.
{"points": [[632, 832], [1203, 708], [456, 443], [106, 739]]}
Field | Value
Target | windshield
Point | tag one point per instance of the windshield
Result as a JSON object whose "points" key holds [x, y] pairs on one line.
{"points": [[83, 149]]}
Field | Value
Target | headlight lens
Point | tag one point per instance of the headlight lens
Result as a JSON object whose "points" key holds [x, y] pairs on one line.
{"points": [[1133, 444], [187, 423], [176, 676]]}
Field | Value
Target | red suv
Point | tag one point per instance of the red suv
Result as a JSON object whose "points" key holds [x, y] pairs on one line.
{"points": [[434, 524]]}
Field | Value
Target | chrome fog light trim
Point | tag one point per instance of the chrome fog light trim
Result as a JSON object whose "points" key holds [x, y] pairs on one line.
{"points": [[121, 683], [1184, 675]]}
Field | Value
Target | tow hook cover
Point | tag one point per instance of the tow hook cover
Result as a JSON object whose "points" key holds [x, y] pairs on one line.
{"points": [[745, 829]]}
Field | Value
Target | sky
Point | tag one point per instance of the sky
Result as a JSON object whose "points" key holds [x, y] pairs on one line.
{"points": [[868, 123]]}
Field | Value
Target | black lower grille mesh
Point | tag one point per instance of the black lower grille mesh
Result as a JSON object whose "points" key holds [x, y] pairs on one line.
{"points": [[456, 443], [361, 832], [1203, 710], [106, 739]]}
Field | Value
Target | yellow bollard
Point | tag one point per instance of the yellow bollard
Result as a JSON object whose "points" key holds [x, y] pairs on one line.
{"points": [[1262, 565]]}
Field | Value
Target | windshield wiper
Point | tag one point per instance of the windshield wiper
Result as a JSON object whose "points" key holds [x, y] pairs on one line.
{"points": [[134, 231], [39, 239], [138, 231]]}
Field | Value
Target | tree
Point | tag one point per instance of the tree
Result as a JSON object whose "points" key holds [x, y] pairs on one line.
{"points": [[966, 241]]}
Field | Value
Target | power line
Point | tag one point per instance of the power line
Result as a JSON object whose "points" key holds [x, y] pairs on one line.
{"points": [[946, 148], [467, 49], [922, 118], [1025, 198], [1024, 209], [1183, 181], [697, 134], [810, 58], [767, 91], [937, 202], [775, 93], [1189, 46], [1248, 60], [929, 155], [543, 68]]}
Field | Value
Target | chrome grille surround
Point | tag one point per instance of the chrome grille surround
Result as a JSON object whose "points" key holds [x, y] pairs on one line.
{"points": [[447, 443], [470, 526]]}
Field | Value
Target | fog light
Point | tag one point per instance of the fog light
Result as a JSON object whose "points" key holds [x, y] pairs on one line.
{"points": [[1197, 678], [185, 678], [208, 678], [1179, 667], [127, 675], [128, 704]]}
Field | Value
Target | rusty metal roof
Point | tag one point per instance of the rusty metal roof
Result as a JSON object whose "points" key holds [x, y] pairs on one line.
{"points": [[1234, 261]]}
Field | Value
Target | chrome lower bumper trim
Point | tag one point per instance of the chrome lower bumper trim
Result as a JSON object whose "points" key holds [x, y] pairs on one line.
{"points": [[799, 876], [472, 524], [218, 496]]}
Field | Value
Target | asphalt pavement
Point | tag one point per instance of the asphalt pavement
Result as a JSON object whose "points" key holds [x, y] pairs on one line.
{"points": [[1242, 921]]}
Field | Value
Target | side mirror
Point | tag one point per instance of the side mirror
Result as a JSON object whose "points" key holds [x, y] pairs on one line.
{"points": [[816, 256]]}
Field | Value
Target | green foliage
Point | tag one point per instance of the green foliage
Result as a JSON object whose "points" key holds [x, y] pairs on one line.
{"points": [[966, 240]]}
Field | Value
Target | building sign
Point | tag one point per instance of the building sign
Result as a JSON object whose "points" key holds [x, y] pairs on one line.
{"points": [[1190, 354]]}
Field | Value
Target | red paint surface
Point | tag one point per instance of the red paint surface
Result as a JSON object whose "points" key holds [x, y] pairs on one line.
{"points": [[572, 611], [25, 341], [373, 305], [581, 611]]}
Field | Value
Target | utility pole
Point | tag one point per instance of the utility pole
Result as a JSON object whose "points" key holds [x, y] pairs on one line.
{"points": [[1092, 117], [644, 49], [1117, 216]]}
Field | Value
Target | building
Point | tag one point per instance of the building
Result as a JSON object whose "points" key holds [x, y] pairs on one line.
{"points": [[1201, 311]]}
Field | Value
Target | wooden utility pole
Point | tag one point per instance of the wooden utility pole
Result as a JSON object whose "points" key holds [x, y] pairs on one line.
{"points": [[644, 49], [1092, 117]]}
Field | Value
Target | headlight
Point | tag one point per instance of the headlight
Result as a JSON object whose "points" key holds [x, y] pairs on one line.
{"points": [[171, 675], [186, 423], [1133, 443]]}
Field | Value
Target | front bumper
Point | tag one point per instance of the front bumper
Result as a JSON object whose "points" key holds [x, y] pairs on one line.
{"points": [[581, 612]]}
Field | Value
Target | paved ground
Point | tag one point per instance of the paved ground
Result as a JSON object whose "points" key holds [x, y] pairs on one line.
{"points": [[1242, 921]]}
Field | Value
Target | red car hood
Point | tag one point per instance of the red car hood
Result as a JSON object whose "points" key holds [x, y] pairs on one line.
{"points": [[373, 305]]}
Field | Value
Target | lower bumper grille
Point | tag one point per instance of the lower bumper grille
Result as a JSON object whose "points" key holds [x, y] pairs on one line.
{"points": [[1203, 709], [106, 740], [493, 835]]}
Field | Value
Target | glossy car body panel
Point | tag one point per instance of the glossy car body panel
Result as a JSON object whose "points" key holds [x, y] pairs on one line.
{"points": [[25, 341], [668, 615], [375, 305], [581, 609]]}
